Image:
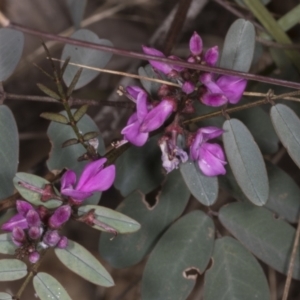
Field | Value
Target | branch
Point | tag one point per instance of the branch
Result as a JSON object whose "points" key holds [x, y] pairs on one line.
{"points": [[137, 55]]}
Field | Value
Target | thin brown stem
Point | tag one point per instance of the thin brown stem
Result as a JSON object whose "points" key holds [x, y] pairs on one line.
{"points": [[241, 107], [30, 275], [292, 264], [142, 56]]}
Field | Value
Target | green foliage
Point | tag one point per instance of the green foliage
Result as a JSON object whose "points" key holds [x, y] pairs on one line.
{"points": [[114, 219], [11, 48], [6, 244], [85, 56], [186, 246], [83, 263], [239, 45], [287, 124], [5, 296], [67, 157], [32, 196], [246, 161], [204, 189], [9, 149], [235, 274], [127, 250], [139, 168], [12, 269], [257, 229], [47, 287]]}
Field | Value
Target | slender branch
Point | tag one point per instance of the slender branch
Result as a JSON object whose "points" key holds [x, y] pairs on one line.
{"points": [[142, 56], [292, 264], [241, 107]]}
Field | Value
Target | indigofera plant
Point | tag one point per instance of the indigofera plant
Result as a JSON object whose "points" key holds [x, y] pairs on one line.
{"points": [[194, 130]]}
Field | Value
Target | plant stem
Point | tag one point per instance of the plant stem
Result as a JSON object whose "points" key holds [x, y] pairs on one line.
{"points": [[142, 56], [292, 263], [241, 107], [30, 275]]}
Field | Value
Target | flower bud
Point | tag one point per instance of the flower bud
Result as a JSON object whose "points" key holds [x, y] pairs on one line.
{"points": [[18, 234], [34, 232], [51, 238], [33, 218], [63, 243], [34, 257], [60, 216], [196, 44]]}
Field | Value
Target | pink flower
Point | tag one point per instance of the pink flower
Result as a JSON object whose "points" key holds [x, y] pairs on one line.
{"points": [[210, 157], [146, 119], [196, 44], [211, 56], [60, 216], [224, 89], [94, 178]]}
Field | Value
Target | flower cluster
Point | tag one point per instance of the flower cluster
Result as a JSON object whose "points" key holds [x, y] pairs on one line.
{"points": [[171, 104], [34, 229]]}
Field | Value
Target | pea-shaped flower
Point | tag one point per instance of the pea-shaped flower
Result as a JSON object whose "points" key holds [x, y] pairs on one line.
{"points": [[94, 178]]}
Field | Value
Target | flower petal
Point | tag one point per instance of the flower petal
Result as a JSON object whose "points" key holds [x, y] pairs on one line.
{"points": [[68, 179], [23, 207], [33, 218], [141, 106], [233, 87], [188, 87], [196, 44], [134, 90], [60, 216], [102, 181], [212, 160], [133, 135], [214, 100], [210, 132], [211, 56], [160, 66], [16, 221], [77, 195], [157, 116], [18, 234], [174, 67], [89, 172]]}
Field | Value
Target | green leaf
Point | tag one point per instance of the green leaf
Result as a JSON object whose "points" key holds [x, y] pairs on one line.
{"points": [[205, 189], [11, 48], [5, 296], [31, 196], [47, 287], [284, 194], [80, 112], [6, 244], [114, 219], [127, 250], [150, 86], [77, 8], [55, 117], [12, 269], [85, 56], [90, 135], [139, 168], [83, 263], [273, 28], [246, 161], [235, 274], [48, 91], [186, 246], [67, 157], [270, 239], [9, 148], [69, 142], [239, 45], [74, 82], [287, 124], [259, 124]]}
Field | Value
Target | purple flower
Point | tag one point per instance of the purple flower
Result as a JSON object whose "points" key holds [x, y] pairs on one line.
{"points": [[62, 243], [94, 178], [225, 89], [18, 236], [188, 87], [60, 216], [210, 157], [19, 220], [34, 257], [196, 44], [146, 119], [172, 155], [51, 238], [211, 56], [133, 92]]}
